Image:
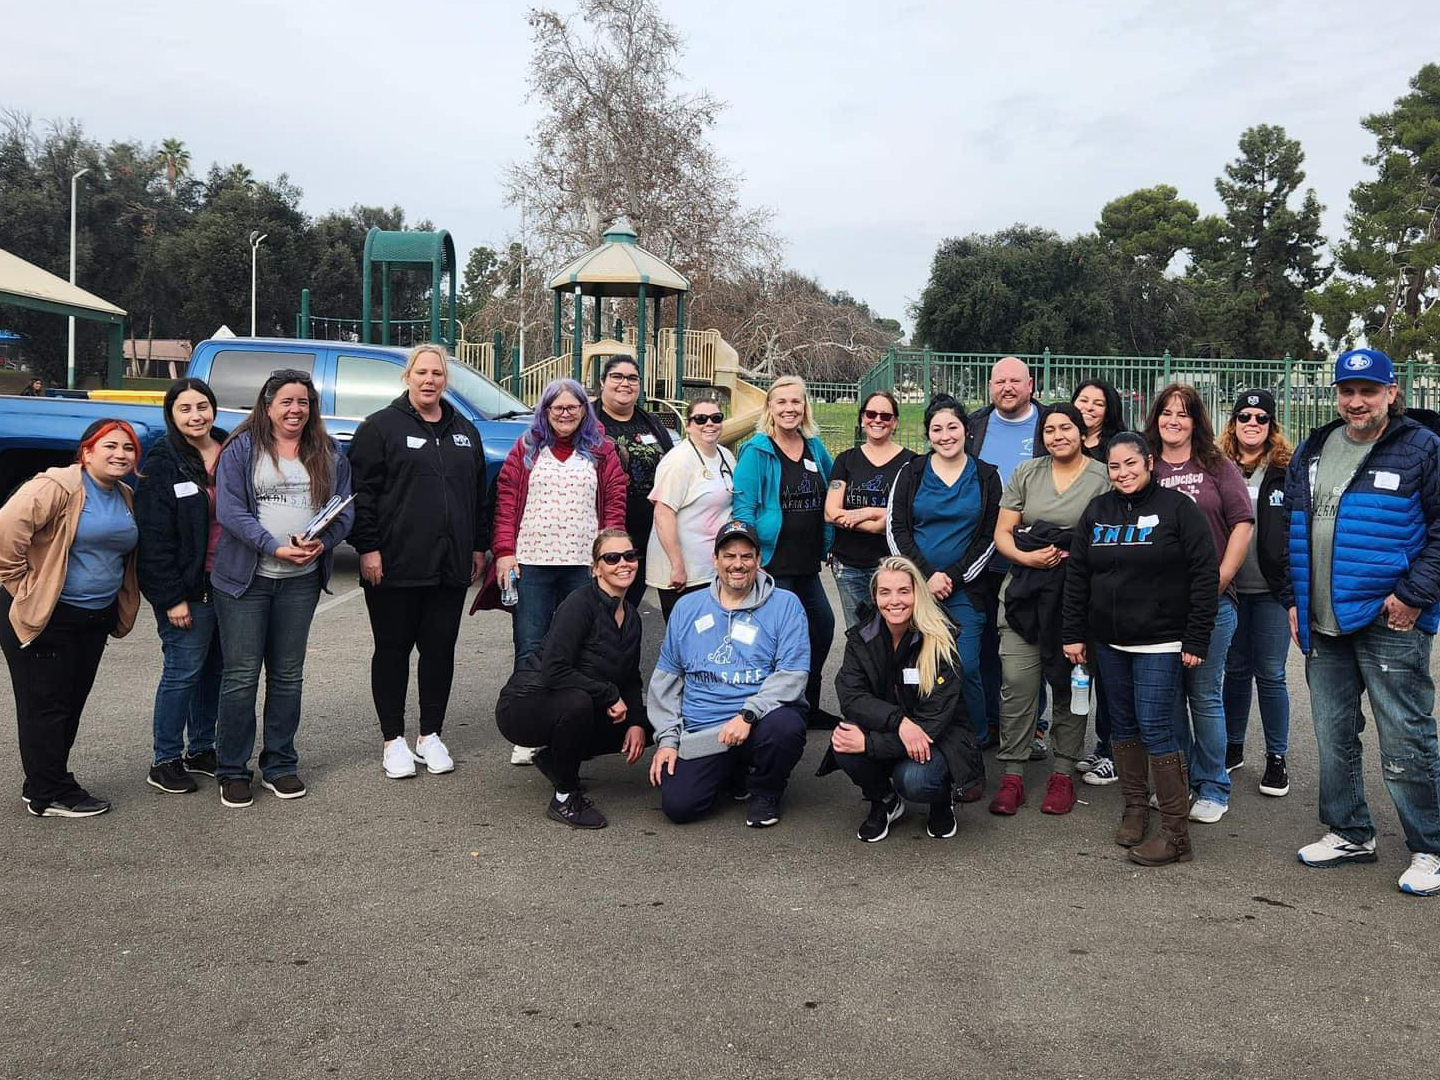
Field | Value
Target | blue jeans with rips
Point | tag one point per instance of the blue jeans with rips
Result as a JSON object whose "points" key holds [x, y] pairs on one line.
{"points": [[1257, 653], [1200, 728], [1141, 689], [188, 697]]}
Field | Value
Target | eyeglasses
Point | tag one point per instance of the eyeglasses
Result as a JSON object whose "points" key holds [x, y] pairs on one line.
{"points": [[1253, 418], [618, 377], [564, 410], [615, 558], [707, 418], [881, 417]]}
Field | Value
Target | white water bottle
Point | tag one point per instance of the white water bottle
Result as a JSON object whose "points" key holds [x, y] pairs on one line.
{"points": [[510, 592], [1080, 690]]}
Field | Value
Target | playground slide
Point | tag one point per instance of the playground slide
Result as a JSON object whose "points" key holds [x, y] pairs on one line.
{"points": [[747, 401]]}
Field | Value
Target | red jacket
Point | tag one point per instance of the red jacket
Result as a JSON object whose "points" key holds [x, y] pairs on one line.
{"points": [[512, 487]]}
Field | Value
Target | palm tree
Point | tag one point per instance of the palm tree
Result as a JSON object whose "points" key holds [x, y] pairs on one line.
{"points": [[176, 160], [239, 176]]}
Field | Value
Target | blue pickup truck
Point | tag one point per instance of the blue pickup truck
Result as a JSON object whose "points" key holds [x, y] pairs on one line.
{"points": [[353, 381]]}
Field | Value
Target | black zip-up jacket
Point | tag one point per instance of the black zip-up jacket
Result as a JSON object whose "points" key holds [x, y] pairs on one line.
{"points": [[1142, 571], [979, 420], [172, 512], [1035, 598], [420, 495], [900, 527], [1272, 529], [875, 697], [585, 650]]}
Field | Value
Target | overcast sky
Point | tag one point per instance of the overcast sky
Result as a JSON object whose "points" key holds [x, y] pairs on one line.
{"points": [[872, 129]]}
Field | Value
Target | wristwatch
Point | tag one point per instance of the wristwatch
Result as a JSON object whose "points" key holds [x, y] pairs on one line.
{"points": [[748, 715]]}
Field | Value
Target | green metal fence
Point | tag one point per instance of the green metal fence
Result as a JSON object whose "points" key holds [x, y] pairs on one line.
{"points": [[404, 332]]}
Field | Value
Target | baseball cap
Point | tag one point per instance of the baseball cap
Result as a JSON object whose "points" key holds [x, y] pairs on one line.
{"points": [[1254, 399], [731, 529], [1372, 365]]}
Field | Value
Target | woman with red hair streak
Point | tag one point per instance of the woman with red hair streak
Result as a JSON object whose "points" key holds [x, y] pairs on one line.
{"points": [[67, 561]]}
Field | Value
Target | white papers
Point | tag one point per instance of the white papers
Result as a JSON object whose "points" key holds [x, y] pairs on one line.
{"points": [[328, 513]]}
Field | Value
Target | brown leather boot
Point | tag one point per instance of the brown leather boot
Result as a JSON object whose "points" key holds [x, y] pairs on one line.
{"points": [[1172, 792], [1132, 763]]}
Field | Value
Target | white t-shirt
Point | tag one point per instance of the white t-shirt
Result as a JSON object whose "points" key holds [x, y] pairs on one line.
{"points": [[283, 507], [700, 491]]}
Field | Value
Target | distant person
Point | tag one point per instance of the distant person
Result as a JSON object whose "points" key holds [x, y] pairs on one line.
{"points": [[579, 695], [67, 561], [1141, 584], [422, 529], [726, 698], [904, 735], [34, 388], [860, 483], [780, 483], [561, 483], [641, 440], [1099, 405], [179, 532], [692, 496], [1364, 498], [276, 471], [1254, 442]]}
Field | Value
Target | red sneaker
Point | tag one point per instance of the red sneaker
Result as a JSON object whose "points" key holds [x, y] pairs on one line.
{"points": [[1010, 797], [975, 792], [1059, 795]]}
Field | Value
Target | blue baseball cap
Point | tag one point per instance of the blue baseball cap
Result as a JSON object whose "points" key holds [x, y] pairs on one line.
{"points": [[1371, 365]]}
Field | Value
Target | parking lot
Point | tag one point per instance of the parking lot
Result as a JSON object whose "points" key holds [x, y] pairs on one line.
{"points": [[441, 926]]}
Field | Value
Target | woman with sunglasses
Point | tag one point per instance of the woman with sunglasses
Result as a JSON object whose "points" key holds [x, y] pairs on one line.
{"points": [[67, 561], [1255, 443], [692, 496], [641, 441], [277, 470], [579, 694], [860, 484]]}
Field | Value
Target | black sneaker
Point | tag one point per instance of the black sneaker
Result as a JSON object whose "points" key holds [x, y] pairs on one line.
{"points": [[764, 811], [1038, 752], [941, 824], [1276, 780], [202, 763], [84, 806], [235, 791], [1234, 756], [883, 813], [285, 787], [171, 778], [577, 811]]}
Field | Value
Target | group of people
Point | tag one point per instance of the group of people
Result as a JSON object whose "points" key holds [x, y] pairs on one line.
{"points": [[1029, 553]]}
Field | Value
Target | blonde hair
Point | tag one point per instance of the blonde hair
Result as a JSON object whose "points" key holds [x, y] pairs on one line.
{"points": [[937, 640], [766, 424], [420, 350], [1277, 449]]}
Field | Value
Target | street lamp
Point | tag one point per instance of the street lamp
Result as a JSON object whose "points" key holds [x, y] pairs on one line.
{"points": [[70, 361], [256, 239]]}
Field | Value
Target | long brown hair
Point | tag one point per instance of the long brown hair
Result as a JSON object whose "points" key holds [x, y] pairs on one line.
{"points": [[317, 451], [1202, 436], [1277, 449]]}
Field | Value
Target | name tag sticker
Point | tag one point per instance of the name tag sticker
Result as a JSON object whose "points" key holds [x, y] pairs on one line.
{"points": [[811, 465], [743, 632], [186, 487], [1148, 521], [911, 676], [414, 442], [649, 439], [705, 622], [1387, 481]]}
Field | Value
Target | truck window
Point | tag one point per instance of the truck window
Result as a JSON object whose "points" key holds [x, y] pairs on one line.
{"points": [[236, 375], [364, 385]]}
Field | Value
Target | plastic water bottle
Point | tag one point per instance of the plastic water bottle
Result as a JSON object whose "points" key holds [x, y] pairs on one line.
{"points": [[510, 591], [1079, 690]]}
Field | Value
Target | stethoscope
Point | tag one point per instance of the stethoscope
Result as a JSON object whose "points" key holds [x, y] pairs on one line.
{"points": [[726, 473]]}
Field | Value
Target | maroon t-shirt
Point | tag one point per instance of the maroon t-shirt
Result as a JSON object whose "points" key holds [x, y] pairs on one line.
{"points": [[1221, 496], [214, 538]]}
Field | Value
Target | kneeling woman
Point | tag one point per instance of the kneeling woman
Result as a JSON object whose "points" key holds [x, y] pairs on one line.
{"points": [[578, 695], [904, 733]]}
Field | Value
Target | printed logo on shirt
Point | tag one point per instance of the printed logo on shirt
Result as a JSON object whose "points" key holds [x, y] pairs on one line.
{"points": [[462, 440], [1277, 497], [867, 494], [1123, 535], [1027, 447], [1186, 483], [805, 495]]}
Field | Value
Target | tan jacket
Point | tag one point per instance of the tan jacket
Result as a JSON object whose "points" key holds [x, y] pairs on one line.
{"points": [[37, 527]]}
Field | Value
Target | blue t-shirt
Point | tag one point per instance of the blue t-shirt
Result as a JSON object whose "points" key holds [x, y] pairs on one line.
{"points": [[1008, 443], [946, 517], [105, 535]]}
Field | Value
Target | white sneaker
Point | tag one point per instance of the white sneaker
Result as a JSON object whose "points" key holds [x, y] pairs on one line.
{"points": [[398, 761], [1423, 877], [430, 750], [523, 755], [1207, 811], [1332, 849]]}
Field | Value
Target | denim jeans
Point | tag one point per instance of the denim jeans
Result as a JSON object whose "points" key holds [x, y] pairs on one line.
{"points": [[1257, 652], [853, 584], [1200, 729], [969, 627], [188, 697], [991, 672], [1393, 670], [912, 781], [821, 619], [541, 590], [269, 624], [1141, 689]]}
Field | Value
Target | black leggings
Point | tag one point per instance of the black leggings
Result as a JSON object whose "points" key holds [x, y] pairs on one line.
{"points": [[571, 727], [670, 597], [402, 620]]}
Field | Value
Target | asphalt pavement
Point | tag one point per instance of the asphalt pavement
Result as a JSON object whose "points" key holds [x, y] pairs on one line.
{"points": [[442, 926]]}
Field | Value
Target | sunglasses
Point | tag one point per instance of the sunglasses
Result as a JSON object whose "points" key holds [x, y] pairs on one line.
{"points": [[881, 417], [615, 558], [289, 375], [1253, 418], [707, 418]]}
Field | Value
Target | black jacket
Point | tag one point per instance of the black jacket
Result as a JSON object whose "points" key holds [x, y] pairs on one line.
{"points": [[979, 420], [585, 650], [1142, 571], [172, 512], [900, 527], [1272, 529], [420, 495], [875, 697], [1034, 598]]}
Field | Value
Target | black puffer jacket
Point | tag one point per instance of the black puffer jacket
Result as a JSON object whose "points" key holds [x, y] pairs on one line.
{"points": [[172, 512], [585, 650]]}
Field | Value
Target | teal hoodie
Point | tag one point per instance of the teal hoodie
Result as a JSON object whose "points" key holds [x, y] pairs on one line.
{"points": [[757, 490]]}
